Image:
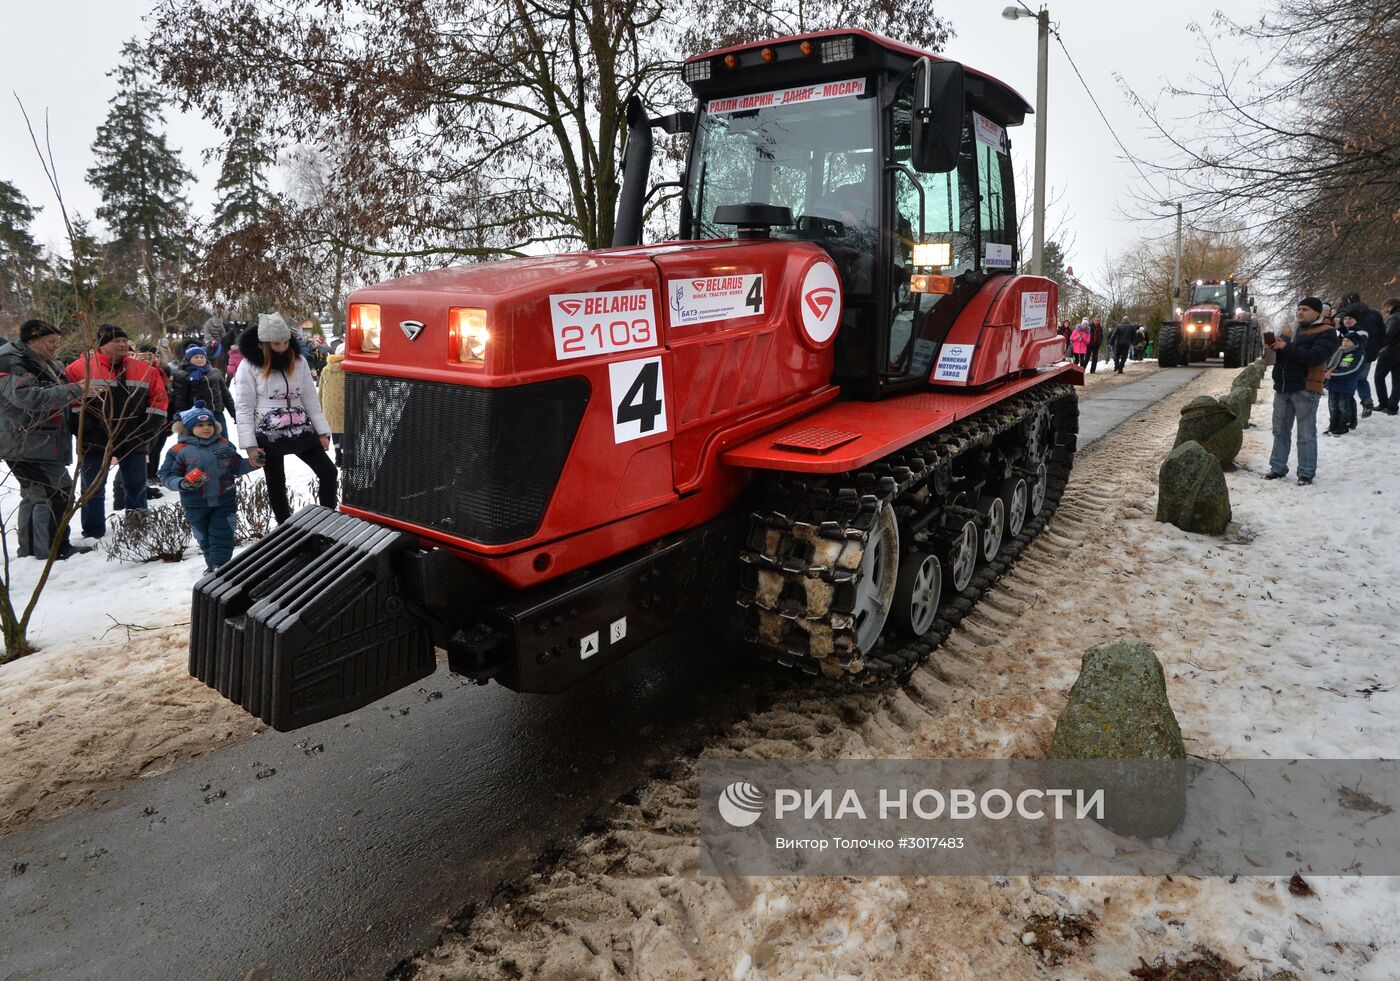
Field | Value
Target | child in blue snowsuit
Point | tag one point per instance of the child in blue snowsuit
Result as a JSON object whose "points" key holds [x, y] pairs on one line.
{"points": [[1342, 376], [210, 500]]}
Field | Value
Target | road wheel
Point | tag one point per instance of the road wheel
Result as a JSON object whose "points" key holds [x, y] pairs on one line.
{"points": [[876, 580], [1169, 347], [960, 557], [994, 532], [1015, 494], [917, 594], [1040, 479]]}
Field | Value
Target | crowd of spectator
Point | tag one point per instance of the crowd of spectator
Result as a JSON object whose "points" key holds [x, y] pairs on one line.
{"points": [[114, 408], [1330, 351]]}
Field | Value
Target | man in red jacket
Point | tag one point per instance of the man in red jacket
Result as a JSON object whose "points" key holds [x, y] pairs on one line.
{"points": [[130, 408]]}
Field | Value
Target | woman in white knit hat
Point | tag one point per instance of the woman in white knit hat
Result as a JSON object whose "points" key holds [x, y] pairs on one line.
{"points": [[279, 413]]}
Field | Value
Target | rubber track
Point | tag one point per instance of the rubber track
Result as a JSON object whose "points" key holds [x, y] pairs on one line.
{"points": [[805, 551]]}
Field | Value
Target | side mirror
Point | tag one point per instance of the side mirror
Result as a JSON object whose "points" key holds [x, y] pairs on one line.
{"points": [[938, 115]]}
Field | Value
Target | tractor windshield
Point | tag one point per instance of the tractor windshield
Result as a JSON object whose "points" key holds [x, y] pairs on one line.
{"points": [[809, 149], [1217, 293]]}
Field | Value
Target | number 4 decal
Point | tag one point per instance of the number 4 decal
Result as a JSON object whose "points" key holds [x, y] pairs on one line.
{"points": [[638, 399]]}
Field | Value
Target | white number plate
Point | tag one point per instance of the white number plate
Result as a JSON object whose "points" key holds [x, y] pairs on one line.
{"points": [[586, 324]]}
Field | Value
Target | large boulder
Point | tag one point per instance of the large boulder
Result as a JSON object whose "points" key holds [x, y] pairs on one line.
{"points": [[1240, 400], [1191, 491], [1210, 422], [1118, 710]]}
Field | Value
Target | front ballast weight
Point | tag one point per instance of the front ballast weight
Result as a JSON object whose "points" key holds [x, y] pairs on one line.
{"points": [[311, 622]]}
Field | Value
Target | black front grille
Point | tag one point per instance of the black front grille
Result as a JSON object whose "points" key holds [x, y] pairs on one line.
{"points": [[476, 463]]}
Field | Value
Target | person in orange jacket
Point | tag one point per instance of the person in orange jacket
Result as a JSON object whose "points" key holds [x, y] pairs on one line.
{"points": [[129, 408]]}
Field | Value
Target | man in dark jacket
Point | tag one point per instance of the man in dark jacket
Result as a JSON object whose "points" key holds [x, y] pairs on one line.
{"points": [[1388, 360], [35, 439], [1301, 362], [1120, 344], [119, 428], [1373, 324]]}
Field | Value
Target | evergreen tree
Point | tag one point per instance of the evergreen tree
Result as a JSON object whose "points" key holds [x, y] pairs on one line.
{"points": [[18, 252], [140, 177], [242, 187]]}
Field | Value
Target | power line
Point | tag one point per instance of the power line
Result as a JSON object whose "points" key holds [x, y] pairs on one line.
{"points": [[1087, 91]]}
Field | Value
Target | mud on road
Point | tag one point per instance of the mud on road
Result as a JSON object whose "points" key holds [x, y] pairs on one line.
{"points": [[626, 900]]}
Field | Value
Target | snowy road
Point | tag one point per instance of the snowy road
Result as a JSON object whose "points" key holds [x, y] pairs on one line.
{"points": [[345, 847]]}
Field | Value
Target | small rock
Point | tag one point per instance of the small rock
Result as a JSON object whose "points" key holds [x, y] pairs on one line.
{"points": [[741, 970], [19, 868], [1028, 937], [264, 774]]}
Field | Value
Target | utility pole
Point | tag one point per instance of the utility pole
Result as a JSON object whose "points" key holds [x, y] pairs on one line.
{"points": [[1042, 74], [1176, 272]]}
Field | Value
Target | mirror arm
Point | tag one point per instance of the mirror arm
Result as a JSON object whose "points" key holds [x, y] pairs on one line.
{"points": [[918, 186], [656, 187]]}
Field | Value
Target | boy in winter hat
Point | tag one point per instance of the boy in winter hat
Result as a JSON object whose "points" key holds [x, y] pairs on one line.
{"points": [[1341, 378], [202, 466]]}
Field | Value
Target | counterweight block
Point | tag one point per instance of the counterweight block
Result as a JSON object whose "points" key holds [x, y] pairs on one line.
{"points": [[311, 622]]}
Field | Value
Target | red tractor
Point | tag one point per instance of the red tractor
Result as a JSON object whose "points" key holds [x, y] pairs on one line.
{"points": [[831, 397], [1219, 321]]}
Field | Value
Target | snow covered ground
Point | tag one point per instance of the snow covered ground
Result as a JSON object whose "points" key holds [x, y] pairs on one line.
{"points": [[107, 697], [1276, 642]]}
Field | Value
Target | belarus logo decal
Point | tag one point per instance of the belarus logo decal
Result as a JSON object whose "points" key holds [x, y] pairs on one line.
{"points": [[819, 301], [571, 307], [411, 329]]}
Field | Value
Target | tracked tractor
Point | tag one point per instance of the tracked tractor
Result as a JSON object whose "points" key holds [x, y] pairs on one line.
{"points": [[829, 405], [1220, 320]]}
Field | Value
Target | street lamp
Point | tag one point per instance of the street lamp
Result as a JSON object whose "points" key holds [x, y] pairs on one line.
{"points": [[1176, 275], [1041, 77]]}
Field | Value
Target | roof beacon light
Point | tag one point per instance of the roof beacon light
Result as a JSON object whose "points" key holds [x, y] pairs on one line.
{"points": [[839, 49], [731, 61], [768, 54], [806, 48]]}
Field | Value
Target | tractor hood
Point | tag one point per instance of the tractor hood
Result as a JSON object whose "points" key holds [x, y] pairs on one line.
{"points": [[541, 313]]}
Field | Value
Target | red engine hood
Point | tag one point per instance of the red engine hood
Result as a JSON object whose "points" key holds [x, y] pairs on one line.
{"points": [[519, 296], [531, 273]]}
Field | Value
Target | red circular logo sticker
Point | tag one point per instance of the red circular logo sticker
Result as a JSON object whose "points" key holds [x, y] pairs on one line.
{"points": [[819, 302]]}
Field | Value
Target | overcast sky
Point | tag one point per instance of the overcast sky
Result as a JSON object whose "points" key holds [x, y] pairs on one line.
{"points": [[59, 53]]}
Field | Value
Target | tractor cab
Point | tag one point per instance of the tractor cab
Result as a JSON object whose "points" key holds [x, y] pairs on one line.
{"points": [[1226, 294], [894, 161]]}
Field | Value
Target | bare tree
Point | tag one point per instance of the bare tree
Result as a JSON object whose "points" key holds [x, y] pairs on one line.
{"points": [[1294, 133], [458, 128], [16, 610]]}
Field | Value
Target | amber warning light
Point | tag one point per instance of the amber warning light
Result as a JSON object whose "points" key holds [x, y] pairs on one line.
{"points": [[920, 283], [364, 327]]}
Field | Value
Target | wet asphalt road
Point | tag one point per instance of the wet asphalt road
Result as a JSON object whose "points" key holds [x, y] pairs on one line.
{"points": [[342, 848]]}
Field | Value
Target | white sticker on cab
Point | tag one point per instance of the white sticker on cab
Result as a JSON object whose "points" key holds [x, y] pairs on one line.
{"points": [[704, 299], [954, 362], [602, 323], [638, 399], [1035, 310]]}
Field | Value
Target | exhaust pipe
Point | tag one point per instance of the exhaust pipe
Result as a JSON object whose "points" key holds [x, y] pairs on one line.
{"points": [[636, 166]]}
